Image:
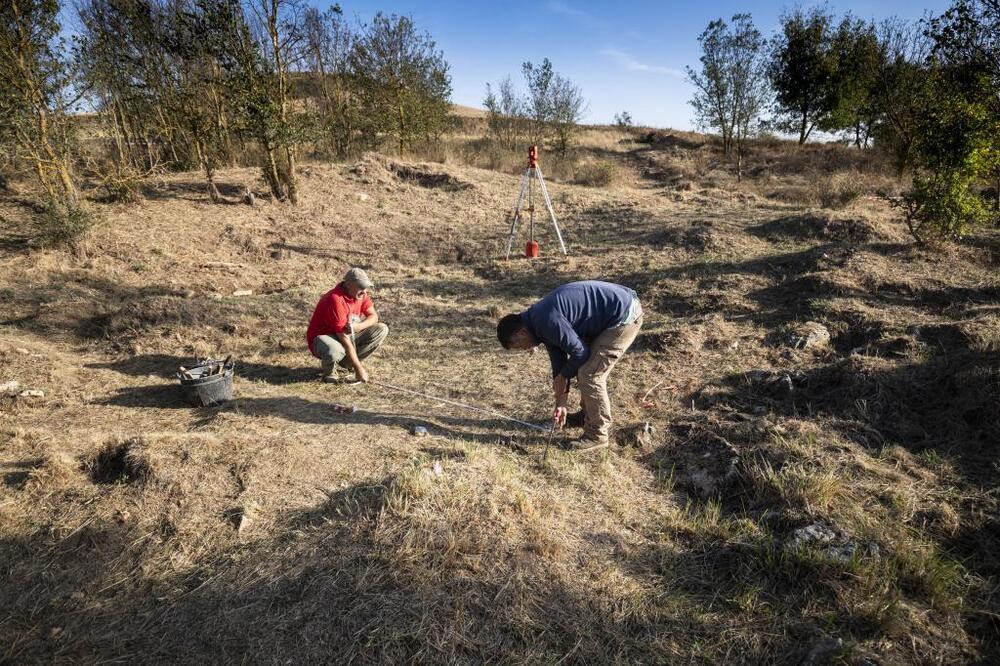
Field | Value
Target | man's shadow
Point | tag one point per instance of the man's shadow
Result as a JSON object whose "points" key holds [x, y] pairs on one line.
{"points": [[301, 410]]}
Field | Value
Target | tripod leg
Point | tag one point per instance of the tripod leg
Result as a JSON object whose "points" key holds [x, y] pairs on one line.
{"points": [[517, 213], [548, 204]]}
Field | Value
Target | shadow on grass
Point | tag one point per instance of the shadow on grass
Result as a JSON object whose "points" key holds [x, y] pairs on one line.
{"points": [[336, 583], [166, 366], [301, 410]]}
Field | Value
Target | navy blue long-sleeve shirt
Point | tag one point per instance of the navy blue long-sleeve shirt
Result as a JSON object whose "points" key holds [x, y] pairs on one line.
{"points": [[569, 318]]}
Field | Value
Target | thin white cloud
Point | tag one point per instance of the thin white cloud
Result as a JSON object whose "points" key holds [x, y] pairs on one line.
{"points": [[559, 7], [631, 64]]}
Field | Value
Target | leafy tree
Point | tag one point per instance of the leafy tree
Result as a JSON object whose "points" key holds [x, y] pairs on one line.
{"points": [[554, 105], [539, 101], [900, 89], [35, 83], [402, 81], [957, 139], [731, 87], [967, 45], [955, 147], [802, 70], [623, 120], [255, 62], [858, 57]]}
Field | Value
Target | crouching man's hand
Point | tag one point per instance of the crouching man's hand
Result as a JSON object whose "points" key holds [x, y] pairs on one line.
{"points": [[361, 374]]}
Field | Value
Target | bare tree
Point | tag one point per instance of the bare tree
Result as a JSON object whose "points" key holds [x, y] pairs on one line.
{"points": [[328, 41], [567, 108], [505, 121]]}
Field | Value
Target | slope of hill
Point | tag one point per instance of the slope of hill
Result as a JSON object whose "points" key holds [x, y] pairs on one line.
{"points": [[817, 481]]}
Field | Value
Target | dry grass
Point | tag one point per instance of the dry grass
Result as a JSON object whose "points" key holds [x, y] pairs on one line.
{"points": [[272, 528]]}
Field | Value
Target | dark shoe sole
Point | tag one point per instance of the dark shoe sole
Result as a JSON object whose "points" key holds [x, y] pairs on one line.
{"points": [[580, 446]]}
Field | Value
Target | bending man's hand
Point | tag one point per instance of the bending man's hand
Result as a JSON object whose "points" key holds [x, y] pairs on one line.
{"points": [[559, 416], [361, 374]]}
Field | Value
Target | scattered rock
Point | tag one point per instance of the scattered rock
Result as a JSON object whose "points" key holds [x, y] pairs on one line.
{"points": [[809, 335], [823, 652], [281, 253], [32, 393], [705, 465], [834, 544], [10, 387], [418, 431], [362, 196], [243, 292], [639, 436], [778, 385], [240, 517], [817, 533], [215, 296], [21, 350]]}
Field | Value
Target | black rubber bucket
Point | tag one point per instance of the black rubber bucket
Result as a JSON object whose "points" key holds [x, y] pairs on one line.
{"points": [[204, 390]]}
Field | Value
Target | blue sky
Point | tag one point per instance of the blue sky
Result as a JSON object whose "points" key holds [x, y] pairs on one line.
{"points": [[624, 55]]}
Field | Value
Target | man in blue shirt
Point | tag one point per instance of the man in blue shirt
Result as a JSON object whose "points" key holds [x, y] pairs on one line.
{"points": [[585, 327]]}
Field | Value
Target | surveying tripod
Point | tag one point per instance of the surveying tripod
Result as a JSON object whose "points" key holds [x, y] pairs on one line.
{"points": [[532, 173]]}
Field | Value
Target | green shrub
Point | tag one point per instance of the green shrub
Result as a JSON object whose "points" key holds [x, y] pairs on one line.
{"points": [[941, 204], [60, 225]]}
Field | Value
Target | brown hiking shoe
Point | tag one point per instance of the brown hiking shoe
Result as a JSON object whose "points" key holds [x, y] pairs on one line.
{"points": [[585, 444], [575, 420]]}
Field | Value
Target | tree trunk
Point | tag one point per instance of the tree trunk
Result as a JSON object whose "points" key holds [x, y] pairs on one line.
{"points": [[802, 127], [290, 180], [213, 191], [739, 161], [271, 176], [401, 127]]}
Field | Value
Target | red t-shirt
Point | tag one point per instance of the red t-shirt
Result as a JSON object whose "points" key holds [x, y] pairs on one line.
{"points": [[334, 311]]}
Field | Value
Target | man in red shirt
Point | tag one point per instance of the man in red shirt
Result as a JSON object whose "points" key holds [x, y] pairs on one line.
{"points": [[345, 327]]}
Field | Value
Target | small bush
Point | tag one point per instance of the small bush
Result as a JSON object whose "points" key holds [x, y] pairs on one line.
{"points": [[942, 205], [60, 225], [598, 174]]}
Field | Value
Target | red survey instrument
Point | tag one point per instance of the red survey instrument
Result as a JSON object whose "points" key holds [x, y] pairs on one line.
{"points": [[532, 174]]}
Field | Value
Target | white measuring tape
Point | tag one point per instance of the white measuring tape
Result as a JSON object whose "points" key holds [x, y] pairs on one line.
{"points": [[473, 408]]}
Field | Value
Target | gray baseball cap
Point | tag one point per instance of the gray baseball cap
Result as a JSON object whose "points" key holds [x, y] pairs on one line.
{"points": [[359, 277]]}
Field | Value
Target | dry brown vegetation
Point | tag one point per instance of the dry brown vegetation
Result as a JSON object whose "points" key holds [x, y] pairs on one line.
{"points": [[795, 503]]}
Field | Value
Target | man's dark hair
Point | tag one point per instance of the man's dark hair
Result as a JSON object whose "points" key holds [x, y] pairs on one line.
{"points": [[507, 328]]}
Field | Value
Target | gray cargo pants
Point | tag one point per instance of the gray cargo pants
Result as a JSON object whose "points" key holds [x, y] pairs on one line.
{"points": [[331, 352]]}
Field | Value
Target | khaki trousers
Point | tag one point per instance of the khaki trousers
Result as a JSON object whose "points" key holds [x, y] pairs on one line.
{"points": [[592, 378], [331, 353]]}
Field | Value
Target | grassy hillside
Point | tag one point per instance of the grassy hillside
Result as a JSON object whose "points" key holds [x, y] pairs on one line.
{"points": [[816, 484]]}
